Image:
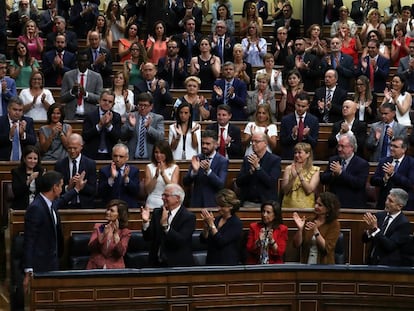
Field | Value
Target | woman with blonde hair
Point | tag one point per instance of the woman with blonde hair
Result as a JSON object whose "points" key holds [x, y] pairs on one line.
{"points": [[32, 39], [254, 46], [250, 15], [373, 22], [261, 124], [262, 95], [242, 69], [300, 179]]}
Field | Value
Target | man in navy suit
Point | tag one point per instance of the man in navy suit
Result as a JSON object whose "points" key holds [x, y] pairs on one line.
{"points": [[189, 9], [347, 173], [327, 101], [170, 230], [100, 59], [222, 44], [46, 18], [230, 91], [375, 66], [71, 37], [158, 88], [229, 136], [388, 230], [11, 124], [82, 16], [43, 238], [259, 173], [171, 68], [291, 24], [102, 129], [57, 62], [290, 127], [342, 63], [349, 124], [395, 171], [8, 86], [406, 67], [189, 40], [119, 180], [71, 169], [207, 173]]}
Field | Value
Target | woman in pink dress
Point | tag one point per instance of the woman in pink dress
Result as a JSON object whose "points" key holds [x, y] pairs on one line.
{"points": [[157, 42], [32, 39]]}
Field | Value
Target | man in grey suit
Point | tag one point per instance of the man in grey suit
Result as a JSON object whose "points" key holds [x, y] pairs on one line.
{"points": [[381, 133], [143, 129], [406, 67], [81, 89]]}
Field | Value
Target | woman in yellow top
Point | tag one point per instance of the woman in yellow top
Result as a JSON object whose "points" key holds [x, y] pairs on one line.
{"points": [[300, 179]]}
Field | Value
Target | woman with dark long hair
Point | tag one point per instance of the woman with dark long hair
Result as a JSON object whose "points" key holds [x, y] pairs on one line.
{"points": [[105, 33], [116, 21], [185, 134], [22, 65], [366, 100], [317, 236], [160, 172], [267, 239], [124, 98], [157, 42], [25, 176]]}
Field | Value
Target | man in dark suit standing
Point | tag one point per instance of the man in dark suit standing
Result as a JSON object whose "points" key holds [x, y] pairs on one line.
{"points": [[292, 131], [375, 66], [57, 62], [16, 131], [291, 24], [230, 91], [395, 171], [381, 133], [100, 59], [189, 40], [170, 230], [119, 180], [47, 17], [71, 169], [71, 37], [8, 86], [306, 63], [388, 230], [222, 44], [43, 238], [259, 173], [347, 174], [189, 9], [102, 129], [158, 88], [207, 173], [82, 16], [229, 136], [327, 101], [171, 68], [342, 63], [349, 124], [406, 67]]}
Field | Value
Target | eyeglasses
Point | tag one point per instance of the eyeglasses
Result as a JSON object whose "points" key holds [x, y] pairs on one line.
{"points": [[282, 33], [360, 84], [257, 141], [167, 195], [143, 105], [219, 26], [173, 47], [395, 146]]}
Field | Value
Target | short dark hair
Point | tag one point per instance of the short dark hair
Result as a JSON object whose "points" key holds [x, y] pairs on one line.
{"points": [[15, 100], [404, 141], [50, 112], [144, 97], [48, 180], [388, 105], [332, 204], [224, 107], [276, 210], [302, 96], [209, 133], [165, 148], [27, 150]]}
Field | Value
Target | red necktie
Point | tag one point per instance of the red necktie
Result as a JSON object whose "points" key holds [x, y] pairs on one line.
{"points": [[371, 75], [80, 96], [59, 78], [222, 148], [300, 129]]}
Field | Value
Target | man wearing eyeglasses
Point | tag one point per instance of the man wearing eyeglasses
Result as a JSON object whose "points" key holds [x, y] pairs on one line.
{"points": [[171, 68], [170, 230], [143, 128], [259, 173], [395, 171], [222, 42]]}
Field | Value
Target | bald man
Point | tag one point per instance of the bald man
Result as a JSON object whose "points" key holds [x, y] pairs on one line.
{"points": [[349, 124]]}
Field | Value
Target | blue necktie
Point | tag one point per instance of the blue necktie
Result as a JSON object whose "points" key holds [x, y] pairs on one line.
{"points": [[226, 93], [220, 50], [141, 139], [16, 145], [385, 141]]}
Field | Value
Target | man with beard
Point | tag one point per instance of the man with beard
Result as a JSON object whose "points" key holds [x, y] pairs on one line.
{"points": [[171, 68], [81, 89], [19, 18], [207, 173], [57, 62]]}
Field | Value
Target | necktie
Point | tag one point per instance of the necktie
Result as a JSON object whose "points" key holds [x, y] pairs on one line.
{"points": [[396, 165], [343, 165], [385, 142], [149, 85], [172, 73], [300, 129], [81, 85], [102, 140], [327, 100], [141, 145], [385, 223], [226, 92], [16, 145], [371, 75], [74, 168], [222, 148], [190, 48], [220, 49], [59, 77], [95, 55]]}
